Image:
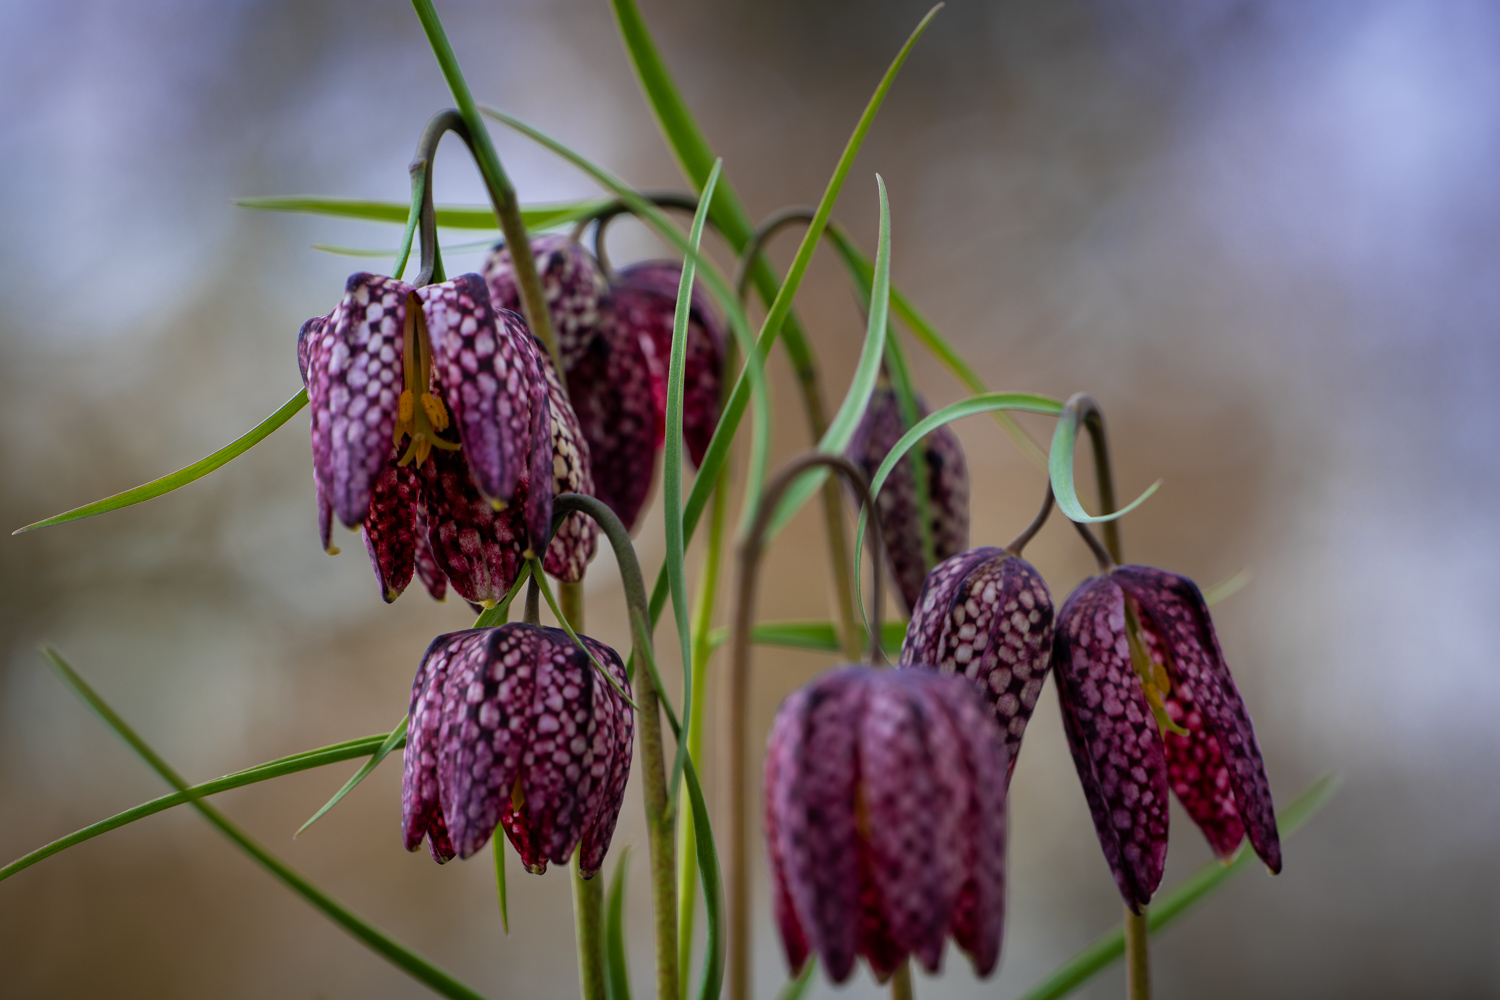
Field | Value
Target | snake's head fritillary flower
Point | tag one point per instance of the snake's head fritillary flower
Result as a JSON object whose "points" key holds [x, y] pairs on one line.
{"points": [[514, 727], [1148, 704], [986, 614], [947, 476], [885, 821], [572, 282], [430, 407], [644, 301]]}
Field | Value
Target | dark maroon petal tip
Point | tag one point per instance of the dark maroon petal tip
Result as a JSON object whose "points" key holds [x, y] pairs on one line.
{"points": [[354, 383], [390, 529], [426, 563], [477, 548], [1113, 737], [1219, 770]]}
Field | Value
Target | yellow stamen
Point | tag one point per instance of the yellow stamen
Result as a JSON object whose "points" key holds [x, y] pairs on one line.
{"points": [[1156, 684], [437, 413]]}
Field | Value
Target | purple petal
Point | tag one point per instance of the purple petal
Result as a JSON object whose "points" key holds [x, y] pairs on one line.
{"points": [[354, 385], [574, 544], [572, 282], [427, 564], [616, 750], [930, 616], [540, 455], [306, 338], [782, 750], [486, 723], [420, 811], [1178, 614], [390, 529], [947, 489], [645, 300], [482, 362], [325, 518], [1112, 733], [916, 792], [978, 847], [610, 391], [816, 815], [476, 547]]}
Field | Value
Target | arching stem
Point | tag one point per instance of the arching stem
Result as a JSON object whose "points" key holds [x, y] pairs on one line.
{"points": [[1025, 537], [817, 419], [736, 696], [659, 812], [682, 200]]}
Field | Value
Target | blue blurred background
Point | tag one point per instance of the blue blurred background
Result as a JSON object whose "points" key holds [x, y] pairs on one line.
{"points": [[1263, 234]]}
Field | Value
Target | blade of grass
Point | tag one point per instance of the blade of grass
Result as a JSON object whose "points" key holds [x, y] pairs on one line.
{"points": [[1110, 946], [796, 989], [861, 270], [180, 478], [452, 248], [616, 966], [1227, 587], [408, 961], [536, 217], [713, 888], [1060, 468], [338, 752], [676, 556], [818, 637], [841, 429], [398, 735], [498, 838]]}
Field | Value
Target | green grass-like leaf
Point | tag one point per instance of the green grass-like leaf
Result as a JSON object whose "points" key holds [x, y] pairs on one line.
{"points": [[676, 555], [819, 637], [348, 750], [180, 478], [1060, 468], [398, 736], [1110, 946], [546, 589], [796, 989], [452, 248], [841, 428], [616, 963], [536, 217], [500, 613], [408, 961], [497, 839], [713, 887]]}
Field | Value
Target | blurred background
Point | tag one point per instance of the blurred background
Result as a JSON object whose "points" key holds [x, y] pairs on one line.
{"points": [[1263, 234]]}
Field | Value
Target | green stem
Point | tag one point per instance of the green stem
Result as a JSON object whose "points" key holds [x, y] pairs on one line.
{"points": [[659, 819], [901, 983], [588, 928], [502, 193], [703, 648], [1137, 955]]}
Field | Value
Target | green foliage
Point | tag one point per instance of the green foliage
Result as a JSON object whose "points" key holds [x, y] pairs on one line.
{"points": [[1060, 468]]}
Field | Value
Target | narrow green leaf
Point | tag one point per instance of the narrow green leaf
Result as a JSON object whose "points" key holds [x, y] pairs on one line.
{"points": [[676, 557], [1109, 947], [180, 478], [713, 888], [398, 736], [616, 962], [819, 637], [796, 989], [862, 272], [367, 934], [500, 613], [1060, 468], [1227, 587], [342, 251], [498, 840], [1023, 402], [836, 439], [320, 757], [536, 217]]}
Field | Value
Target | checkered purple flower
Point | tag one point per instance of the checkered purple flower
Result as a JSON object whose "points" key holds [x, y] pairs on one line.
{"points": [[513, 727], [885, 821], [387, 373], [1148, 705], [947, 491], [986, 614]]}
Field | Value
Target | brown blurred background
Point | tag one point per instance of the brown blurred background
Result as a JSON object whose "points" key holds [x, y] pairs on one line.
{"points": [[1263, 234]]}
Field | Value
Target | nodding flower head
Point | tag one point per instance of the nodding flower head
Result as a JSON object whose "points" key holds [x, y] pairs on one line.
{"points": [[1148, 704], [514, 727], [986, 614], [947, 490], [430, 410], [885, 821], [615, 340]]}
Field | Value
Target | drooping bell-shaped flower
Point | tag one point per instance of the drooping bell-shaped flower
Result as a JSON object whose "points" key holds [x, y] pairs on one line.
{"points": [[947, 475], [1148, 704], [644, 300], [986, 614], [885, 821], [572, 282], [388, 372], [514, 727]]}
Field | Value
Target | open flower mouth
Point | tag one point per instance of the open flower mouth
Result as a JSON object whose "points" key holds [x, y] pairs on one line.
{"points": [[420, 423]]}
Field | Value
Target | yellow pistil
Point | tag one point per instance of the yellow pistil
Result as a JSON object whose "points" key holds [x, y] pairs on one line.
{"points": [[423, 423], [1155, 684]]}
